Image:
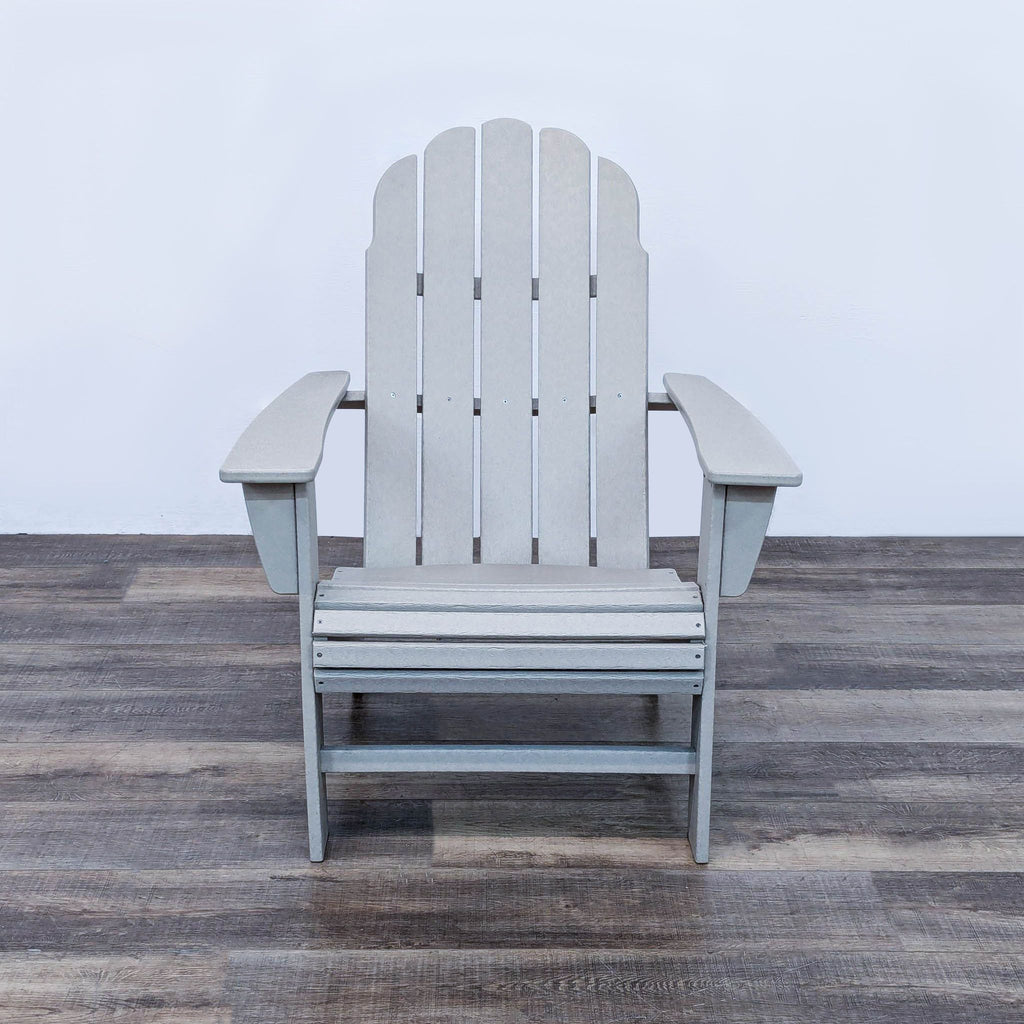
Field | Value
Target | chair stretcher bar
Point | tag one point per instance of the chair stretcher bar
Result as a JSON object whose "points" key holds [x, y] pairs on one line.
{"points": [[664, 759]]}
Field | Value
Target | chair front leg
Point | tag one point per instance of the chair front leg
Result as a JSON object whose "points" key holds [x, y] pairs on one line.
{"points": [[312, 702], [702, 714]]}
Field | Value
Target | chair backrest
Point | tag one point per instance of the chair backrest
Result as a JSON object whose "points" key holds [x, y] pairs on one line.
{"points": [[426, 453]]}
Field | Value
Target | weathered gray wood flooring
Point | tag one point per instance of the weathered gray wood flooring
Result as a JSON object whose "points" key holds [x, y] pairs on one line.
{"points": [[868, 823]]}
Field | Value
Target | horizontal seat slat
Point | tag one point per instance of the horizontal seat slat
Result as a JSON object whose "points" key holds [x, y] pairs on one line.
{"points": [[465, 599], [462, 681], [513, 625], [661, 759], [503, 576], [594, 655], [525, 588]]}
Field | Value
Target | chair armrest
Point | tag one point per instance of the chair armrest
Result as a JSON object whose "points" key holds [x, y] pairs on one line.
{"points": [[733, 446], [285, 442], [743, 464]]}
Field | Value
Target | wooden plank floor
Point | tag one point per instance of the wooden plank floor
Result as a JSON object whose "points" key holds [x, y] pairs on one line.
{"points": [[867, 830]]}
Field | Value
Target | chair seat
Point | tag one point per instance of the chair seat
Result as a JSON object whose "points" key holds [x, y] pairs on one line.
{"points": [[508, 616]]}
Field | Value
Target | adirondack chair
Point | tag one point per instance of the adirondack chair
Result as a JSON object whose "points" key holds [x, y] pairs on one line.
{"points": [[516, 621]]}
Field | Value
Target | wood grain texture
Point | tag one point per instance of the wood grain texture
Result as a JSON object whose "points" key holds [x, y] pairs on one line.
{"points": [[793, 835], [203, 833], [629, 987], [271, 620], [249, 668], [176, 987], [863, 552], [807, 622], [908, 585], [28, 585], [868, 826], [957, 666], [379, 908], [159, 584]]}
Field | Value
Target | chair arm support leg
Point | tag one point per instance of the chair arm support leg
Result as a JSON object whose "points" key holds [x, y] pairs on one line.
{"points": [[747, 511], [279, 514], [271, 509]]}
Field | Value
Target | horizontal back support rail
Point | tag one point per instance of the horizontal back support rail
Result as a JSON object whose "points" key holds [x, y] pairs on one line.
{"points": [[657, 401], [477, 290]]}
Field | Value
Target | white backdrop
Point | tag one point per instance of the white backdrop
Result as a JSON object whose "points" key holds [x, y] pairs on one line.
{"points": [[832, 195]]}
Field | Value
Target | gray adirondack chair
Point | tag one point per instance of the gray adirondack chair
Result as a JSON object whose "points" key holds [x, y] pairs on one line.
{"points": [[443, 622]]}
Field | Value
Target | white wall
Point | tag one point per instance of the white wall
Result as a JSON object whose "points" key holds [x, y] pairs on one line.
{"points": [[832, 197]]}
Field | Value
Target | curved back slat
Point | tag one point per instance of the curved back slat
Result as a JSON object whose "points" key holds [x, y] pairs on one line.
{"points": [[621, 421], [449, 243], [391, 456], [563, 351], [442, 449], [506, 342]]}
